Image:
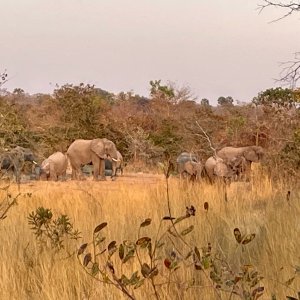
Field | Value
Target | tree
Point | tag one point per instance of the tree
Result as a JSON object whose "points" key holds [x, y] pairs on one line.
{"points": [[288, 6], [290, 73], [278, 97], [204, 102], [225, 101], [81, 106]]}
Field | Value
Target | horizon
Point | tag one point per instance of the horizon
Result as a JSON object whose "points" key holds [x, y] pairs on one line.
{"points": [[216, 49]]}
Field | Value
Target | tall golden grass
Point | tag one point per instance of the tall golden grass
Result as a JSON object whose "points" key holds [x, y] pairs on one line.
{"points": [[259, 207]]}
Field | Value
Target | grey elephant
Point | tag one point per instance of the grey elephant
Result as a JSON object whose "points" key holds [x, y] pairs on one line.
{"points": [[249, 153], [53, 166], [216, 167], [118, 165], [82, 152], [188, 166], [15, 159]]}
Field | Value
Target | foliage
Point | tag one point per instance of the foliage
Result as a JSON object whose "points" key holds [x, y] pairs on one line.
{"points": [[49, 231], [276, 96], [7, 202], [81, 106], [225, 101]]}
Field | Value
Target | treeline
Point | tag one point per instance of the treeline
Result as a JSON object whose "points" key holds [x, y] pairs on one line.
{"points": [[146, 130]]}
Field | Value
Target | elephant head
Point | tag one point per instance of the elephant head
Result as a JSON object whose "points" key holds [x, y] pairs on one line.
{"points": [[187, 164], [104, 148], [253, 153], [14, 160]]}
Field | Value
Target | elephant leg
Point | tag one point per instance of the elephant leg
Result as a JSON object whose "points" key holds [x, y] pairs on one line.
{"points": [[114, 170], [52, 172], [102, 169]]}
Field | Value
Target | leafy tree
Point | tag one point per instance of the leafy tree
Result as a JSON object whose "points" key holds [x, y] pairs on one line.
{"points": [[205, 102], [161, 91], [225, 101], [81, 106], [276, 96]]}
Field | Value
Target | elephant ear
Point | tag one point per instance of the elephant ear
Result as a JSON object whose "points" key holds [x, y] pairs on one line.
{"points": [[251, 155], [97, 146]]}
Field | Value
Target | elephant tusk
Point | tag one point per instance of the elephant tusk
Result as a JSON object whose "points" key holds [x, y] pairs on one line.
{"points": [[115, 159], [34, 162]]}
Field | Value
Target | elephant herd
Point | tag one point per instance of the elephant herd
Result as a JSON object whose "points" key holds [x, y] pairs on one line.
{"points": [[98, 152], [229, 163]]}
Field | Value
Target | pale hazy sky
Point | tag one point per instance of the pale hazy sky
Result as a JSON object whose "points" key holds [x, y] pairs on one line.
{"points": [[216, 47]]}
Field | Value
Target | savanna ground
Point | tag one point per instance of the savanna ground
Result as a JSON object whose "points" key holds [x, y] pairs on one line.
{"points": [[260, 207]]}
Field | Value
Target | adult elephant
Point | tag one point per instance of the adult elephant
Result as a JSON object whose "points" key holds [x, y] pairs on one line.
{"points": [[111, 165], [82, 152], [188, 165], [53, 166], [249, 153], [217, 167], [15, 159]]}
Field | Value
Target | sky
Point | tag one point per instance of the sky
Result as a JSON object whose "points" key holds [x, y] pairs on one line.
{"points": [[216, 48]]}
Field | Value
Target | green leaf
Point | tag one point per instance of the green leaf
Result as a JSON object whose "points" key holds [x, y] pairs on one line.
{"points": [[145, 270], [147, 222], [95, 269], [129, 255], [139, 284], [100, 227], [188, 230], [82, 248]]}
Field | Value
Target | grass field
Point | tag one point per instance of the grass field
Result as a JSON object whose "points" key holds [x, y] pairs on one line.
{"points": [[261, 207]]}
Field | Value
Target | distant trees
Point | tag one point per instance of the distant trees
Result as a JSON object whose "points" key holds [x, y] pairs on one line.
{"points": [[225, 101], [81, 106], [278, 97]]}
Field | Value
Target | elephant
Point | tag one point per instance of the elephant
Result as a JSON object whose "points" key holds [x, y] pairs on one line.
{"points": [[14, 160], [82, 152], [118, 165], [249, 153], [216, 167], [188, 165], [53, 166]]}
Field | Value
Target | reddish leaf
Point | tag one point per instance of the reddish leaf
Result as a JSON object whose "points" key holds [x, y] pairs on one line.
{"points": [[100, 227], [81, 249], [237, 235]]}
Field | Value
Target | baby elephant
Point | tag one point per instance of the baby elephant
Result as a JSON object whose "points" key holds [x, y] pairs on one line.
{"points": [[188, 166], [53, 166]]}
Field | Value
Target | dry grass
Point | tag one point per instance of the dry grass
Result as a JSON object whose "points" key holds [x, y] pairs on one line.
{"points": [[261, 208]]}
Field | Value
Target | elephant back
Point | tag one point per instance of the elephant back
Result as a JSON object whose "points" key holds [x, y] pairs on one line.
{"points": [[185, 157]]}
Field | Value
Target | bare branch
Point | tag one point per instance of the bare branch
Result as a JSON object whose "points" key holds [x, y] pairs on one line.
{"points": [[290, 73], [208, 139], [289, 6], [3, 78]]}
